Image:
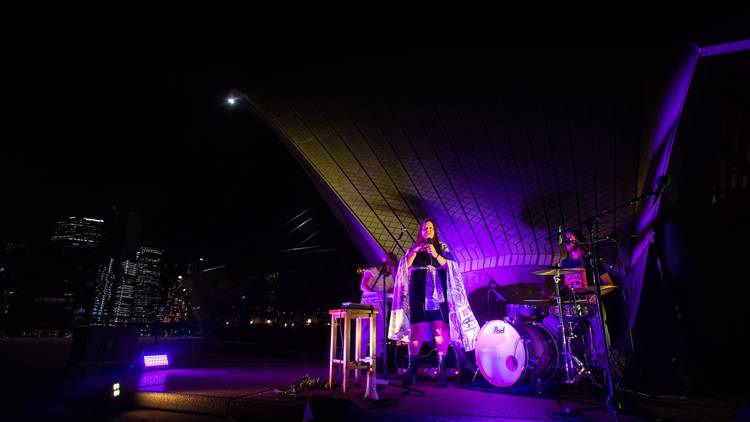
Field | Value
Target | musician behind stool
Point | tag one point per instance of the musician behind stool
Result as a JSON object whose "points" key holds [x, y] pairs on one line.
{"points": [[372, 294], [578, 257]]}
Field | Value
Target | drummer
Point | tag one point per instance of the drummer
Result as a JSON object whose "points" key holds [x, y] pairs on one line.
{"points": [[579, 258], [372, 294]]}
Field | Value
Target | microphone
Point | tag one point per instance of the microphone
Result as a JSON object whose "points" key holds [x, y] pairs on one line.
{"points": [[498, 296], [400, 235]]}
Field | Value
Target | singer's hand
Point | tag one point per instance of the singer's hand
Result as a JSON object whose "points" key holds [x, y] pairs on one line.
{"points": [[431, 250], [415, 249], [424, 247]]}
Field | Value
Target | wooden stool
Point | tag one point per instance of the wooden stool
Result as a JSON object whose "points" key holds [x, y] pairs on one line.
{"points": [[358, 363]]}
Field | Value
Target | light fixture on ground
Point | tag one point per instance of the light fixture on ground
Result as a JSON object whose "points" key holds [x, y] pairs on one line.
{"points": [[151, 361]]}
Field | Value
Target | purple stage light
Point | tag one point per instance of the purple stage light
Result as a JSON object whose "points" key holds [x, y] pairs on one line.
{"points": [[726, 48], [155, 360]]}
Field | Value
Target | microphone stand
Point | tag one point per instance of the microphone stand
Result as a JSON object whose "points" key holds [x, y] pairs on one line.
{"points": [[592, 224], [385, 305]]}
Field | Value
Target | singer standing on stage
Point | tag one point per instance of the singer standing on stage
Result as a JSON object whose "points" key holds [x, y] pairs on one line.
{"points": [[430, 300], [372, 294]]}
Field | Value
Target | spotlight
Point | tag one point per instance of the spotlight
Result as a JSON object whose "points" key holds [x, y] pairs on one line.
{"points": [[116, 389], [150, 361]]}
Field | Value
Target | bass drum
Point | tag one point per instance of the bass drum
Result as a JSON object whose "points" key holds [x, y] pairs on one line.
{"points": [[509, 354]]}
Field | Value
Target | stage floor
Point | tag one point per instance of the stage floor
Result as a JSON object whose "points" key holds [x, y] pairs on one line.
{"points": [[253, 391]]}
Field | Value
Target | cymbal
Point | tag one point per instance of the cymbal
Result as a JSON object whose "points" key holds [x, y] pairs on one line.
{"points": [[607, 289], [576, 301], [553, 271], [538, 300]]}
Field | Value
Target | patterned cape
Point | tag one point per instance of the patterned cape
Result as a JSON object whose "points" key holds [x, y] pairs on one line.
{"points": [[464, 327]]}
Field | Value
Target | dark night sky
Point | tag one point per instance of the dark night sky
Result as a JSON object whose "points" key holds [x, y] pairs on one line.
{"points": [[159, 139], [141, 125]]}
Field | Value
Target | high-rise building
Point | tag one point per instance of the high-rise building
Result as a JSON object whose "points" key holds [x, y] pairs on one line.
{"points": [[105, 284], [78, 233], [124, 286], [66, 280], [177, 307], [147, 295], [16, 266], [123, 231]]}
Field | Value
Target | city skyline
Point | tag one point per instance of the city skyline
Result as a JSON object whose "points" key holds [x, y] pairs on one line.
{"points": [[195, 178], [80, 272]]}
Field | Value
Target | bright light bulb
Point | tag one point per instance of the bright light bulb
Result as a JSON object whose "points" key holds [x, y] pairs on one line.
{"points": [[231, 100]]}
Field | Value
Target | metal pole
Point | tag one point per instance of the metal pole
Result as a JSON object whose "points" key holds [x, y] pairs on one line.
{"points": [[593, 227]]}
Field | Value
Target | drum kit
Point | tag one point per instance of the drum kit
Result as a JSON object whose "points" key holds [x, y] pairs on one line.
{"points": [[542, 340]]}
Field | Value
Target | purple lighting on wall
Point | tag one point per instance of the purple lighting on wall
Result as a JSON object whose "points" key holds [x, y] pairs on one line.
{"points": [[726, 48], [656, 160], [661, 143], [150, 361]]}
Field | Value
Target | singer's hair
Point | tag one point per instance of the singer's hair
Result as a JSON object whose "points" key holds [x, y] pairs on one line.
{"points": [[435, 239]]}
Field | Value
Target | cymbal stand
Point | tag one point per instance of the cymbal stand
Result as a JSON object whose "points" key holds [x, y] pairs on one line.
{"points": [[574, 368], [570, 376]]}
